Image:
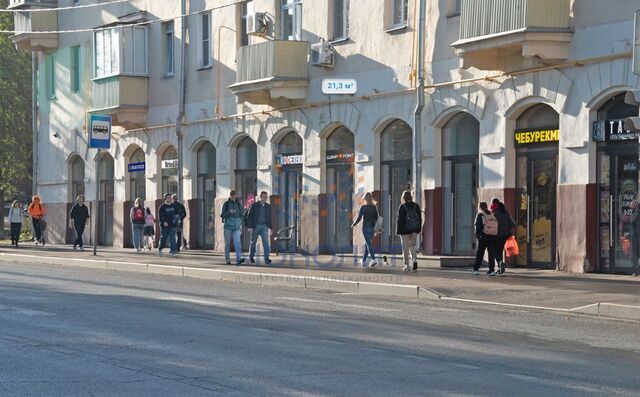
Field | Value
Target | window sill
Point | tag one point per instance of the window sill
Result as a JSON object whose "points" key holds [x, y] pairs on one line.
{"points": [[201, 68], [51, 98], [453, 15], [341, 40], [396, 28], [169, 75]]}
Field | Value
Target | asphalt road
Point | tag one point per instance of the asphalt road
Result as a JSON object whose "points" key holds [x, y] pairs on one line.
{"points": [[81, 332]]}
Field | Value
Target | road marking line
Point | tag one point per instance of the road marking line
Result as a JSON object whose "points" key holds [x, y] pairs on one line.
{"points": [[378, 309], [211, 303]]}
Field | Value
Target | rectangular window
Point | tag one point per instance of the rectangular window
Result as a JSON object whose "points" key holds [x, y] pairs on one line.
{"points": [[400, 11], [75, 69], [246, 9], [454, 8], [121, 50], [50, 76], [169, 48], [205, 41], [340, 19], [291, 20], [106, 52]]}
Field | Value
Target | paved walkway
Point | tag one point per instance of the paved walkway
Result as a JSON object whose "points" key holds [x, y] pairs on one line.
{"points": [[518, 287]]}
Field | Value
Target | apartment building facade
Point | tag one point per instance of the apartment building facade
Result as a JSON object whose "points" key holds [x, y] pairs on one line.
{"points": [[524, 102]]}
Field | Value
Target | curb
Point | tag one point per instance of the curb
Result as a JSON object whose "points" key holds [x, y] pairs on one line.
{"points": [[601, 309]]}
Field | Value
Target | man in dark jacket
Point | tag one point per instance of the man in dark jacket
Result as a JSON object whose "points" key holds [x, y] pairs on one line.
{"points": [[182, 211], [259, 221], [167, 216], [78, 215], [408, 225], [485, 220]]}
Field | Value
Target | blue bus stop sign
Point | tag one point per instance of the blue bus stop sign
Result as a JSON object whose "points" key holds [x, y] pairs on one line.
{"points": [[99, 131]]}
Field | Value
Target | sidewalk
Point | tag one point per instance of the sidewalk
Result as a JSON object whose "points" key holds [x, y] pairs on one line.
{"points": [[598, 294]]}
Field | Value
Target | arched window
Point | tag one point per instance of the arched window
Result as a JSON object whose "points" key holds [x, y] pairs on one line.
{"points": [[460, 136], [396, 142], [290, 144], [169, 171], [538, 117], [77, 177], [246, 155], [341, 139], [206, 171], [137, 180]]}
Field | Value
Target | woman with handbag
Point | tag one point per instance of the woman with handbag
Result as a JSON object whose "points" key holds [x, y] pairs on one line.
{"points": [[505, 230], [369, 216]]}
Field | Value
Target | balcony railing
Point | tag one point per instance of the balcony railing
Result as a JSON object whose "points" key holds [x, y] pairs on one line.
{"points": [[125, 97], [273, 59], [29, 27], [32, 3], [489, 17]]}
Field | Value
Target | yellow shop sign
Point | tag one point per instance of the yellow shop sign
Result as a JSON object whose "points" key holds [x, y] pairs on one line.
{"points": [[540, 136]]}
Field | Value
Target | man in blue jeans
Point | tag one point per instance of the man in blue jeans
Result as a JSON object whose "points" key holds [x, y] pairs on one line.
{"points": [[232, 218], [167, 215], [259, 221]]}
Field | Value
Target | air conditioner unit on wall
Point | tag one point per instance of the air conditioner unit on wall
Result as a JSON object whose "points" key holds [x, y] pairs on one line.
{"points": [[257, 24], [322, 54]]}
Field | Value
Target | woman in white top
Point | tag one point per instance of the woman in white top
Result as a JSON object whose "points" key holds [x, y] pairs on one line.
{"points": [[15, 217]]}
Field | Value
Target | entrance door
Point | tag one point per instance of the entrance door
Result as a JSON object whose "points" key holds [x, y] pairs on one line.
{"points": [[537, 180], [247, 186], [619, 226], [396, 178], [340, 206], [291, 184], [206, 210], [106, 212], [460, 203]]}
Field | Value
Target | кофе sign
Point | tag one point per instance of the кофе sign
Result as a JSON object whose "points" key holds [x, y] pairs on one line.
{"points": [[612, 130], [527, 137]]}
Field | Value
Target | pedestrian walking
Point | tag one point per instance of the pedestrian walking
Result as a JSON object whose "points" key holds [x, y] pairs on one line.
{"points": [[231, 215], [486, 225], [16, 214], [182, 211], [149, 229], [369, 215], [408, 225], [37, 211], [136, 216], [168, 216], [259, 221], [78, 221], [506, 224]]}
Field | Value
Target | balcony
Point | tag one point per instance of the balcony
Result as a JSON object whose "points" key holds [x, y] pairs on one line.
{"points": [[271, 70], [492, 31], [123, 97], [28, 24]]}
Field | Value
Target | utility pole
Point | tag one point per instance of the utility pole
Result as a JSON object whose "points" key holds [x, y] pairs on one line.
{"points": [[181, 97], [417, 128]]}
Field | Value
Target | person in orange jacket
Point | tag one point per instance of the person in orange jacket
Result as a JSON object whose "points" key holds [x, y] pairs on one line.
{"points": [[37, 211]]}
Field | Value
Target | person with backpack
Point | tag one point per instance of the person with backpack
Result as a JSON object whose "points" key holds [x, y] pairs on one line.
{"points": [[505, 230], [182, 212], [136, 216], [149, 229], [369, 216], [78, 220], [408, 225], [232, 215], [37, 211], [486, 225], [15, 218], [167, 216]]}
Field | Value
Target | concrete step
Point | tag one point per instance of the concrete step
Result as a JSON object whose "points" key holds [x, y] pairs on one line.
{"points": [[447, 261]]}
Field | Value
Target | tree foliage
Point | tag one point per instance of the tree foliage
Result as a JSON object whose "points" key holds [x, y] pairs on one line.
{"points": [[15, 115]]}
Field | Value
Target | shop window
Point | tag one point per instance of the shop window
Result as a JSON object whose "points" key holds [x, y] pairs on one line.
{"points": [[460, 136], [137, 179], [170, 171], [539, 116], [77, 177], [246, 155], [397, 141]]}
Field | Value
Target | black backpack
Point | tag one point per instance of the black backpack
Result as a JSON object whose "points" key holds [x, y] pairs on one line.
{"points": [[412, 223]]}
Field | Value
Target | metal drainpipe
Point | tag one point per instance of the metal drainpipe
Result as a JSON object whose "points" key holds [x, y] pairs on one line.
{"points": [[417, 130], [181, 98], [34, 123]]}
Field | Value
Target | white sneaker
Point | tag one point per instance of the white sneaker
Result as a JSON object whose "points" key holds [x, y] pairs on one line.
{"points": [[405, 268], [475, 272], [373, 263]]}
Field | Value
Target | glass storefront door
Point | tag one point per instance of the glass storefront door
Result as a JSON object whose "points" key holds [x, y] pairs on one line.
{"points": [[206, 204], [290, 187], [247, 189], [619, 229], [460, 203], [340, 206], [396, 178], [536, 186]]}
